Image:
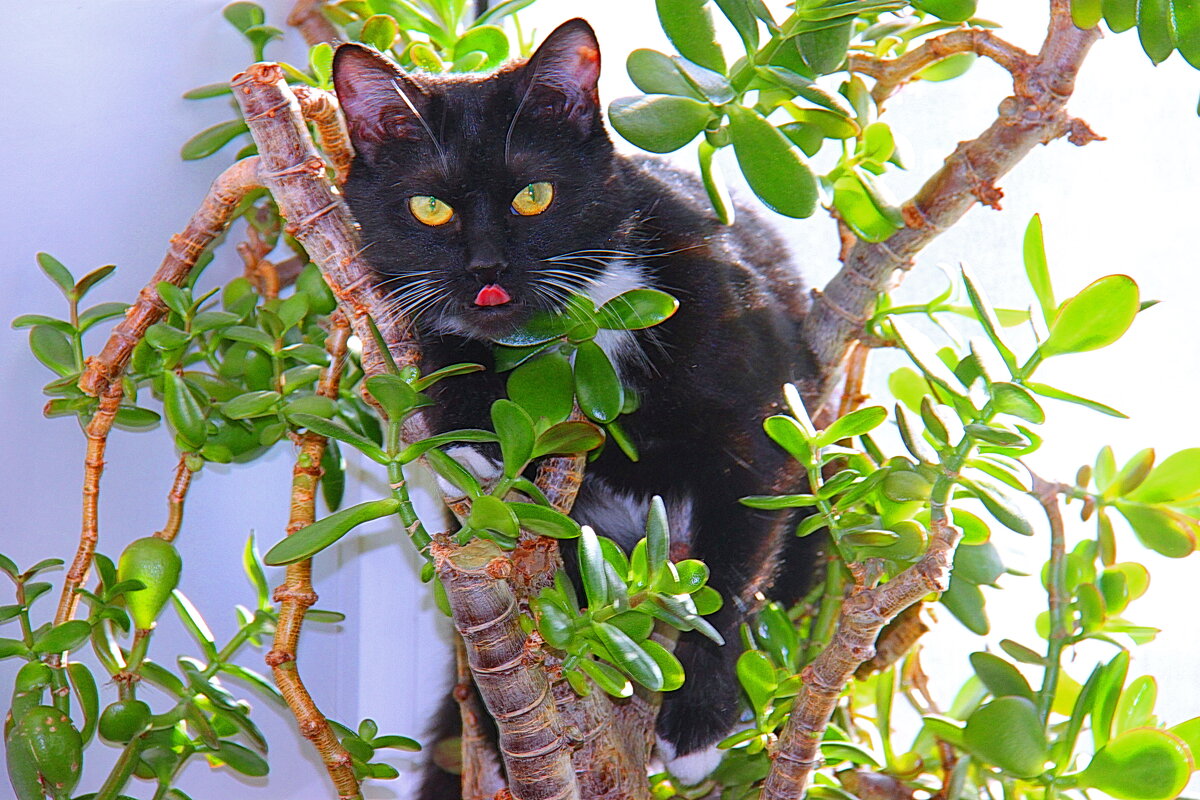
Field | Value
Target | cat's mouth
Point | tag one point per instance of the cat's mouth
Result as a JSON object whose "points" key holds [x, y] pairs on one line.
{"points": [[492, 295]]}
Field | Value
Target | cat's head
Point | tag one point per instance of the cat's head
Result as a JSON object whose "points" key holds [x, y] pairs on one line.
{"points": [[482, 198]]}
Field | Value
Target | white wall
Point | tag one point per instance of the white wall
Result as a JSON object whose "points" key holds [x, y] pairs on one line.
{"points": [[93, 125]]}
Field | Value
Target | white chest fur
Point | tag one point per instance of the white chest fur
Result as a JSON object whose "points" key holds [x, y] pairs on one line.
{"points": [[620, 277]]}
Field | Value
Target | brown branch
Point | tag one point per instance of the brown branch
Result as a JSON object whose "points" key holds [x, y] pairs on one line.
{"points": [[536, 753], [321, 108], [892, 73], [209, 222], [294, 173], [864, 613], [1034, 114], [307, 18], [480, 767], [93, 467], [295, 596], [176, 498]]}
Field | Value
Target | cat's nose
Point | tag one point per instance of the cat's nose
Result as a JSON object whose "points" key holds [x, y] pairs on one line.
{"points": [[487, 273]]}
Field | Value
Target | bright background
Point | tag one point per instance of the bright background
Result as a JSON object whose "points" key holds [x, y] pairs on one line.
{"points": [[93, 127]]}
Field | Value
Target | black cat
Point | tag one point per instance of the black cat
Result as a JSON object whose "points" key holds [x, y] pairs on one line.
{"points": [[485, 198]]}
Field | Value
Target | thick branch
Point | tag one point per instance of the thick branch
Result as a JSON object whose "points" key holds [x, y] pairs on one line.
{"points": [[536, 753], [93, 466], [890, 74], [307, 18], [296, 595], [294, 173], [1034, 114], [864, 613], [209, 222], [322, 109], [481, 778]]}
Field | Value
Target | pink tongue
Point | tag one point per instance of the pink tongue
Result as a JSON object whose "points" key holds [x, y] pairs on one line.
{"points": [[492, 295]]}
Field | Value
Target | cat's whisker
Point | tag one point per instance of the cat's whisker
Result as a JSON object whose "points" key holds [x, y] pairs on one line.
{"points": [[437, 144]]}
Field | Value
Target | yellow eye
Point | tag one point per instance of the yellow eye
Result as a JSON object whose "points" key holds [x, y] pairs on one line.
{"points": [[533, 199], [430, 210]]}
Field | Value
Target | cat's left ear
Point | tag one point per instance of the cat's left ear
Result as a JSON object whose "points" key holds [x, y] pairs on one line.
{"points": [[560, 77], [380, 102]]}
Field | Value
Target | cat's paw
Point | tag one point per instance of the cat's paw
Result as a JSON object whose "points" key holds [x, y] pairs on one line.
{"points": [[486, 470], [692, 768]]}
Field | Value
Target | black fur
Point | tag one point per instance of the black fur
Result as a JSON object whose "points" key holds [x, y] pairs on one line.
{"points": [[706, 378]]}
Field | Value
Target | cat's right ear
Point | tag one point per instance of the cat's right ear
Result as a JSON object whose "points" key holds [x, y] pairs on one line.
{"points": [[381, 104]]}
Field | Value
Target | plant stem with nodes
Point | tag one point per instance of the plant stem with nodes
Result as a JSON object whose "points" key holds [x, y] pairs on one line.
{"points": [[93, 467], [1034, 114], [1046, 493], [295, 596], [177, 497]]}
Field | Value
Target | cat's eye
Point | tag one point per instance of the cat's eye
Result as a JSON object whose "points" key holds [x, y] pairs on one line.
{"points": [[533, 199], [430, 210]]}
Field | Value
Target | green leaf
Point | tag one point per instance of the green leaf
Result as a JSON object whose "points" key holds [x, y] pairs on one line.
{"points": [[855, 204], [251, 336], [689, 26], [824, 50], [164, 337], [1058, 394], [53, 349], [55, 270], [987, 318], [1022, 750], [714, 184], [1142, 764], [1121, 15], [1106, 695], [244, 15], [251, 404], [395, 396], [771, 502], [655, 73], [417, 449], [658, 538], [310, 540], [1000, 677], [336, 430], [182, 411], [1164, 531], [567, 438], [544, 387], [999, 506], [772, 166], [1086, 13], [856, 423], [487, 39], [515, 430], [636, 309], [83, 684], [493, 514], [1176, 479], [1155, 32], [1186, 18], [29, 320], [607, 678], [379, 31], [240, 759], [61, 638], [965, 601], [591, 568], [1094, 318], [949, 67], [1135, 709], [596, 384], [948, 10], [1036, 268], [756, 673], [501, 10], [191, 618], [630, 657], [210, 140], [545, 521], [659, 123], [89, 281], [1009, 398]]}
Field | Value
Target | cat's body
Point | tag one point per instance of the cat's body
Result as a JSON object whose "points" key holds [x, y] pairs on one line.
{"points": [[706, 378]]}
